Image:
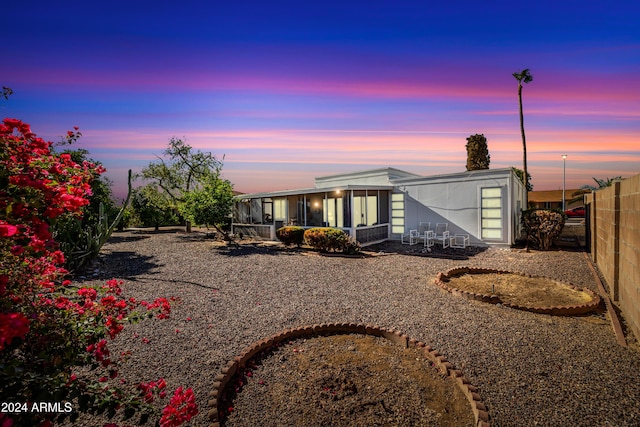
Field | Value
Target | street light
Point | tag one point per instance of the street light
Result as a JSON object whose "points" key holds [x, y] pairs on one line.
{"points": [[564, 174]]}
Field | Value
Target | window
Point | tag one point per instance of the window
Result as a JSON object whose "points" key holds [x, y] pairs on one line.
{"points": [[397, 213], [333, 212], [491, 212], [280, 209], [365, 208]]}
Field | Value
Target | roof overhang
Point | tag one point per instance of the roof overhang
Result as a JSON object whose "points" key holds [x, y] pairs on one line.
{"points": [[303, 191]]}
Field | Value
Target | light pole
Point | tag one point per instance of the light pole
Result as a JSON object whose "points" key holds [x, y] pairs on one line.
{"points": [[564, 175]]}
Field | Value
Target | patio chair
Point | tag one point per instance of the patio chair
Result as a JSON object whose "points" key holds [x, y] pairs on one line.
{"points": [[424, 226], [429, 238], [442, 234], [410, 238], [459, 241], [426, 234]]}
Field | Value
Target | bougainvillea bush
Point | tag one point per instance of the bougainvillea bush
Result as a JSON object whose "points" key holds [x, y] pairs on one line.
{"points": [[50, 327]]}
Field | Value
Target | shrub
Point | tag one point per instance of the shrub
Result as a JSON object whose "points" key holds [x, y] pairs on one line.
{"points": [[352, 247], [542, 227], [326, 239], [50, 327], [290, 235]]}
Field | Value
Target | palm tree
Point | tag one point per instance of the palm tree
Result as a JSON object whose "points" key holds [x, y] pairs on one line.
{"points": [[602, 183], [523, 76]]}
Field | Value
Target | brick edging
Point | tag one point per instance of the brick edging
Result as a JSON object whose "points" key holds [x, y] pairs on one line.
{"points": [[560, 310], [479, 409], [613, 316]]}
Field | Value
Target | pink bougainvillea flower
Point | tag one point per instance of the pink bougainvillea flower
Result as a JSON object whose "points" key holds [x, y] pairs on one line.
{"points": [[42, 186], [8, 230], [12, 325], [180, 409]]}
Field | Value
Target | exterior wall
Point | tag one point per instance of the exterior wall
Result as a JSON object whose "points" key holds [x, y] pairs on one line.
{"points": [[615, 243], [456, 200], [518, 195]]}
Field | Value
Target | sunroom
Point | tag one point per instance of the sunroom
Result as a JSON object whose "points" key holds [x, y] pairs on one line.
{"points": [[362, 211]]}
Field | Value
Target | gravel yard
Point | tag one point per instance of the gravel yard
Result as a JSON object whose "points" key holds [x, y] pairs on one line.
{"points": [[530, 369]]}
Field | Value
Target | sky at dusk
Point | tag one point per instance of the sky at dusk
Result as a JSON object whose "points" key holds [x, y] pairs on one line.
{"points": [[290, 90]]}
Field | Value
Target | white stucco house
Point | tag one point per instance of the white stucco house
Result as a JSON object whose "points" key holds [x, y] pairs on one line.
{"points": [[382, 204]]}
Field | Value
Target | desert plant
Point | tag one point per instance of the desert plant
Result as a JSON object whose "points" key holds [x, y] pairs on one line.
{"points": [[477, 152], [542, 226], [210, 205], [152, 208], [80, 240], [291, 235], [183, 171], [327, 239], [53, 332], [351, 247]]}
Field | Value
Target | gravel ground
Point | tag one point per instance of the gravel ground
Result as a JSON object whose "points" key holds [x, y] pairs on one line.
{"points": [[530, 369]]}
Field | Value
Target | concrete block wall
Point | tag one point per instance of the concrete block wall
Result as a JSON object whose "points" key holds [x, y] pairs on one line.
{"points": [[615, 244], [629, 258], [604, 236]]}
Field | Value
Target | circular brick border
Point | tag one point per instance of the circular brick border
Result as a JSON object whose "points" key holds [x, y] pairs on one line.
{"points": [[479, 409], [442, 280]]}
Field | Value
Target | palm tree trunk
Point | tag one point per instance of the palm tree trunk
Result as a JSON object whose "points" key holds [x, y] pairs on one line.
{"points": [[524, 150]]}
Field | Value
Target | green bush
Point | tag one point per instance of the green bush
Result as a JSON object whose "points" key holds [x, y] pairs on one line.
{"points": [[327, 239], [542, 227], [352, 247], [290, 235]]}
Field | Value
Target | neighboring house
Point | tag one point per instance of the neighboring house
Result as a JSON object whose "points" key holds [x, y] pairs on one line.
{"points": [[382, 204], [553, 199]]}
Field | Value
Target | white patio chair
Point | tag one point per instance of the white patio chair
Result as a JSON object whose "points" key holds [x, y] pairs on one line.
{"points": [[426, 234], [424, 226], [429, 238], [459, 241], [410, 238], [442, 234]]}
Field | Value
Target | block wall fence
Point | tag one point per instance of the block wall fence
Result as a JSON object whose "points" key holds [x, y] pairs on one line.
{"points": [[614, 227]]}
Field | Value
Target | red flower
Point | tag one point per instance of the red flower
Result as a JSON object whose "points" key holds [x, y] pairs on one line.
{"points": [[12, 325], [8, 230], [17, 250], [180, 409]]}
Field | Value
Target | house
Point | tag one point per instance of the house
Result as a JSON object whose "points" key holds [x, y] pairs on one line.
{"points": [[553, 199], [382, 204]]}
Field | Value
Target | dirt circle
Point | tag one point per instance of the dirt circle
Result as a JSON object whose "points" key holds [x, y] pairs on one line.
{"points": [[519, 291], [344, 380]]}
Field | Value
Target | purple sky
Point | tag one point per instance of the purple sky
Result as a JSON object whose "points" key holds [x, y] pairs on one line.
{"points": [[287, 91]]}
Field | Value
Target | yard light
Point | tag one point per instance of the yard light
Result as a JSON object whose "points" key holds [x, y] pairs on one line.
{"points": [[564, 174]]}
